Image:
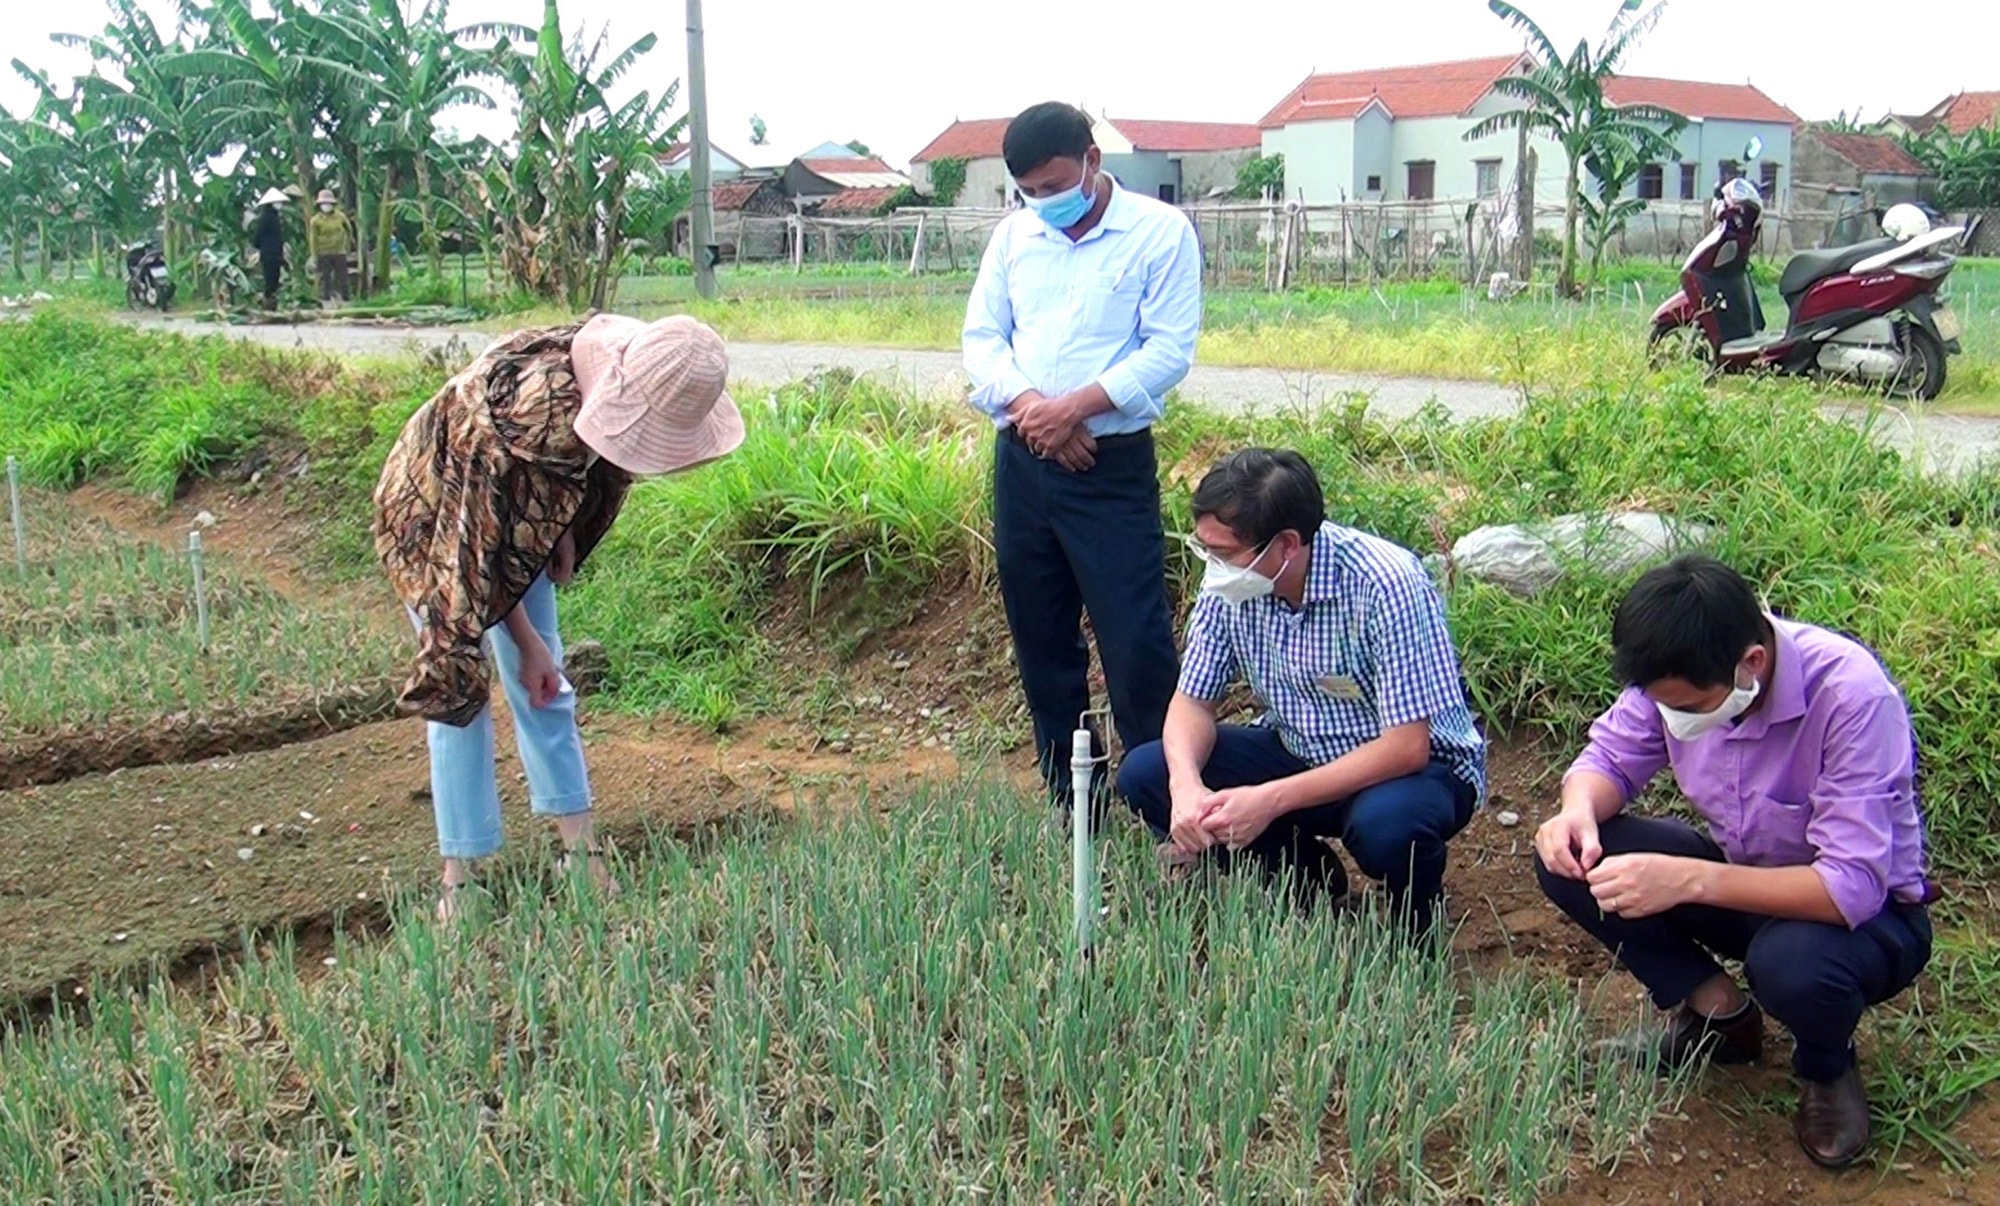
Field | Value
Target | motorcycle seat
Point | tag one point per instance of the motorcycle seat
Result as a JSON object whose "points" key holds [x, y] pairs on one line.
{"points": [[1810, 267]]}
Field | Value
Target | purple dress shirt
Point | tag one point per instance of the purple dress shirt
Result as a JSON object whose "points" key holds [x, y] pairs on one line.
{"points": [[1820, 774]]}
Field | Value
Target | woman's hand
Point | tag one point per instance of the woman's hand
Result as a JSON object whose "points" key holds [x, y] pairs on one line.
{"points": [[562, 562], [540, 674]]}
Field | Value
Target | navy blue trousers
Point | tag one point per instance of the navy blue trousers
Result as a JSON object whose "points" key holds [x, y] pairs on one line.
{"points": [[1396, 831], [1067, 543], [1815, 978]]}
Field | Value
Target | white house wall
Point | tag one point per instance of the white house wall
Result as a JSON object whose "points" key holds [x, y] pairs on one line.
{"points": [[1328, 159], [987, 185], [1319, 159], [1374, 154]]}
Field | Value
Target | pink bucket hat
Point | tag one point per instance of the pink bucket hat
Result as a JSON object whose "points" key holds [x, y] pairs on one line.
{"points": [[653, 399]]}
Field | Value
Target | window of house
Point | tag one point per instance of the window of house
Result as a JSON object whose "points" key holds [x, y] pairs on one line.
{"points": [[1486, 176], [1689, 173], [1167, 193], [1768, 179], [1652, 182], [1374, 184], [1423, 180]]}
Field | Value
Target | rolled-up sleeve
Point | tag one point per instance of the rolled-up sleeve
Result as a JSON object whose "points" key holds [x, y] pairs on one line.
{"points": [[1627, 744], [988, 335], [1208, 665], [1865, 776], [1169, 324]]}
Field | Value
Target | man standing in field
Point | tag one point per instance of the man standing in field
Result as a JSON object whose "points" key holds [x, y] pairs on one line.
{"points": [[1368, 737], [1084, 316], [1795, 747]]}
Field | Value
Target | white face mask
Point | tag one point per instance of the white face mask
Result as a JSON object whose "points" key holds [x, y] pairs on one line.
{"points": [[1687, 726], [1234, 584]]}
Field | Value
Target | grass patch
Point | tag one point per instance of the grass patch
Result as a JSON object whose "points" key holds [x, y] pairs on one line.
{"points": [[1412, 328], [857, 1010], [842, 480], [103, 628]]}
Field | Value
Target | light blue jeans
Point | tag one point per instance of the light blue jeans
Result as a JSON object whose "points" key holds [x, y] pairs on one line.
{"points": [[465, 788]]}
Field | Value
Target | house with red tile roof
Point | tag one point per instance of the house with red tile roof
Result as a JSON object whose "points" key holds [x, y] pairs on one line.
{"points": [[1398, 133], [1841, 175], [1959, 114], [1176, 161], [856, 186]]}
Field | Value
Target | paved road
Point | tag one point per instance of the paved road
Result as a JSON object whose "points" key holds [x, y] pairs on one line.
{"points": [[1946, 441]]}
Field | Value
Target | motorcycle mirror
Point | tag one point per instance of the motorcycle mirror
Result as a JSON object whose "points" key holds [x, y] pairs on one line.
{"points": [[1753, 149]]}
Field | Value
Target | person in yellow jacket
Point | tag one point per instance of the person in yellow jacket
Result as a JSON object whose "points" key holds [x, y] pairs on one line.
{"points": [[330, 238]]}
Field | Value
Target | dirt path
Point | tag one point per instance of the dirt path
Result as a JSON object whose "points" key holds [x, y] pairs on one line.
{"points": [[1945, 441]]}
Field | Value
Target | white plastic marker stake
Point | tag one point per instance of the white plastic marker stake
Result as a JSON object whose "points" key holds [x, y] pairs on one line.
{"points": [[200, 589], [1083, 855], [14, 505]]}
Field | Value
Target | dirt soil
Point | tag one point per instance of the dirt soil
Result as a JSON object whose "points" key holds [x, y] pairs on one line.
{"points": [[167, 866]]}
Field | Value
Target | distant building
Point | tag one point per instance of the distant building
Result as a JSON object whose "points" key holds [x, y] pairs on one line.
{"points": [[736, 203], [1175, 161], [833, 150], [1959, 115], [1842, 176], [842, 186], [678, 160], [1398, 134]]}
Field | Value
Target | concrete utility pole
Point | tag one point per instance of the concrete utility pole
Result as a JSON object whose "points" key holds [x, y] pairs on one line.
{"points": [[703, 213]]}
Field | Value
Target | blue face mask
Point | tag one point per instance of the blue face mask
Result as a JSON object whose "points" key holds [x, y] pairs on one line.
{"points": [[1067, 208]]}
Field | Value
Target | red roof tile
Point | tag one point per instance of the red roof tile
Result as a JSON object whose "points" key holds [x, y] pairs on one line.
{"points": [[1188, 136], [1450, 89], [1693, 99], [853, 201], [978, 139], [1968, 111], [730, 195], [846, 167], [1424, 90], [1872, 154]]}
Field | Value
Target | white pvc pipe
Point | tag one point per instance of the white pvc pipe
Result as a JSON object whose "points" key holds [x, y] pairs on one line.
{"points": [[200, 589], [1083, 854], [14, 506]]}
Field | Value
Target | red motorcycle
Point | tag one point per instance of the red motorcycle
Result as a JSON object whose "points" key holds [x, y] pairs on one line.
{"points": [[1873, 313]]}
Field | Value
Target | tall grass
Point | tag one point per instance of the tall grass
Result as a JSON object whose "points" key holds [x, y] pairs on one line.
{"points": [[103, 629], [862, 1009], [835, 479]]}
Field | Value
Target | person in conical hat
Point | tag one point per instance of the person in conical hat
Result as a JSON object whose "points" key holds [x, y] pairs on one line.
{"points": [[268, 237]]}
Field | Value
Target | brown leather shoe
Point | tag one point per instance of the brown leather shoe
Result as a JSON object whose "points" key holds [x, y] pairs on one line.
{"points": [[1689, 1037], [1832, 1123]]}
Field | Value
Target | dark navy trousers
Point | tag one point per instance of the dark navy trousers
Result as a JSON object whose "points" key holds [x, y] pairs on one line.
{"points": [[1070, 543], [1814, 978]]}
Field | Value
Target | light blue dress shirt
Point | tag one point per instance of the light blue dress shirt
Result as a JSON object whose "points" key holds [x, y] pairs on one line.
{"points": [[1120, 307]]}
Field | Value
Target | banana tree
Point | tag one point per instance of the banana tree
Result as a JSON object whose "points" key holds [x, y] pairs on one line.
{"points": [[1614, 165], [419, 69], [560, 199], [156, 116], [260, 80], [1562, 97]]}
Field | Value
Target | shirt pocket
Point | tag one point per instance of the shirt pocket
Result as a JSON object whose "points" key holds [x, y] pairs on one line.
{"points": [[1108, 300], [1774, 832]]}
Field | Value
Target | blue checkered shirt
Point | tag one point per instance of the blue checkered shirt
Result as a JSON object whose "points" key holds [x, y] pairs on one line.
{"points": [[1370, 617]]}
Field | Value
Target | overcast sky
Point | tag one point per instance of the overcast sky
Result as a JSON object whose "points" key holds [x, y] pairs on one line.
{"points": [[892, 73]]}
